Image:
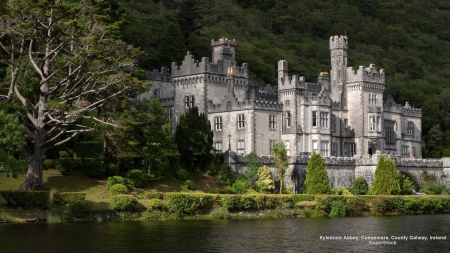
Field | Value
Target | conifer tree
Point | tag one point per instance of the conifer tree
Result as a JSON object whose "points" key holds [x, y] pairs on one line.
{"points": [[265, 182], [252, 165], [387, 178], [281, 161], [316, 176], [195, 139], [172, 47]]}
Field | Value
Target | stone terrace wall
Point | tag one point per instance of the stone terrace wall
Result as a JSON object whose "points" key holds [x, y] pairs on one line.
{"points": [[343, 170]]}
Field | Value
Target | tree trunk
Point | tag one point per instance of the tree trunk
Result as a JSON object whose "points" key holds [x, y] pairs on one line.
{"points": [[34, 179], [281, 186]]}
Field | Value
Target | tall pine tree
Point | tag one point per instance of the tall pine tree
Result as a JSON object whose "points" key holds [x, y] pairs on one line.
{"points": [[387, 178]]}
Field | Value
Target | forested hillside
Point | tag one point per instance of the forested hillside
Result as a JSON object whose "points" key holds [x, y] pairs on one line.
{"points": [[409, 39]]}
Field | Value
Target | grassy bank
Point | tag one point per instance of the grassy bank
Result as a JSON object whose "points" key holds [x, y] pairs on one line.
{"points": [[169, 199]]}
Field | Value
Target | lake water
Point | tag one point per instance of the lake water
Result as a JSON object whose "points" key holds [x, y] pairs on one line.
{"points": [[274, 235]]}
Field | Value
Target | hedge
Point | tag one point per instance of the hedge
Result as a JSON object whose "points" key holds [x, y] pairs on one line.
{"points": [[26, 198], [68, 197]]}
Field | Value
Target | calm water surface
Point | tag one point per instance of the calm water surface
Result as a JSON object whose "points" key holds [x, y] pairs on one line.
{"points": [[279, 235]]}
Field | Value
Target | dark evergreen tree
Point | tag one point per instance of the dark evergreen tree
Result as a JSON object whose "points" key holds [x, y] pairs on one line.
{"points": [[359, 186], [172, 45], [252, 165], [316, 176], [387, 178], [194, 138]]}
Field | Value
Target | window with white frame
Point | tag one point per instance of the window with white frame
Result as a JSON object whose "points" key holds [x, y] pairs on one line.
{"points": [[218, 123], [333, 123], [333, 149], [410, 129], [324, 119], [288, 119], [286, 144], [324, 148], [373, 99], [240, 146], [189, 101], [372, 123], [314, 119], [218, 146], [241, 121], [272, 122]]}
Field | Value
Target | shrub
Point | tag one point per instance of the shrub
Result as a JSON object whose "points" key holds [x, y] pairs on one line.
{"points": [[316, 181], [137, 178], [406, 186], [337, 209], [252, 165], [387, 178], [189, 184], [241, 185], [432, 188], [356, 206], [226, 174], [117, 189], [26, 198], [265, 182], [49, 164], [154, 195], [156, 204], [68, 197], [124, 203], [80, 209], [181, 174], [65, 166], [324, 204], [183, 204], [412, 178], [359, 186], [111, 169], [385, 205], [95, 168], [115, 180], [220, 213]]}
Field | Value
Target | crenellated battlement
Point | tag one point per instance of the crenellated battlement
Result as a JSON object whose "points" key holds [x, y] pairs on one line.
{"points": [[165, 102], [407, 110], [223, 42], [156, 75], [190, 66], [366, 74], [338, 42]]}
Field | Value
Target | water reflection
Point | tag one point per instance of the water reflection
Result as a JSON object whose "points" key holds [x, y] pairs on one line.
{"points": [[280, 235]]}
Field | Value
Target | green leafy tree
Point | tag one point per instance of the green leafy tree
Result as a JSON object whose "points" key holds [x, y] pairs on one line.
{"points": [[141, 130], [265, 181], [12, 141], [281, 161], [316, 176], [387, 178], [65, 60], [194, 138], [252, 165]]}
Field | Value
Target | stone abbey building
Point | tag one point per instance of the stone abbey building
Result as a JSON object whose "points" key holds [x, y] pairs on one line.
{"points": [[344, 114]]}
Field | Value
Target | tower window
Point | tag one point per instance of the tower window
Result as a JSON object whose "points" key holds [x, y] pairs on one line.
{"points": [[218, 123], [288, 119], [240, 122]]}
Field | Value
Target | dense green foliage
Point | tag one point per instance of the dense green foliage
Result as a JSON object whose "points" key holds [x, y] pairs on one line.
{"points": [[12, 140], [27, 198], [434, 188], [226, 174], [125, 203], [189, 184], [387, 178], [95, 168], [252, 164], [68, 197], [265, 181], [241, 185], [117, 189], [115, 180], [194, 138], [316, 181], [359, 186], [408, 39], [137, 178], [80, 209]]}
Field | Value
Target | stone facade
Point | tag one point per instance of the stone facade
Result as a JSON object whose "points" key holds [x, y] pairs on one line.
{"points": [[344, 114]]}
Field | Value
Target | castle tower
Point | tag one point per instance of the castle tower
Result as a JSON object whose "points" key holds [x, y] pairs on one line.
{"points": [[283, 71], [338, 49], [223, 49]]}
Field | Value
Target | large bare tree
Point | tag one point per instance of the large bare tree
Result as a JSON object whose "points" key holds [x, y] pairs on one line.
{"points": [[65, 60]]}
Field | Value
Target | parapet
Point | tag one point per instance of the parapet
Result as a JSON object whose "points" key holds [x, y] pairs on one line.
{"points": [[366, 74], [156, 75], [338, 42], [223, 41]]}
